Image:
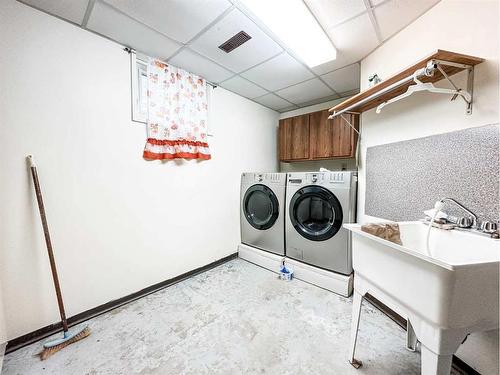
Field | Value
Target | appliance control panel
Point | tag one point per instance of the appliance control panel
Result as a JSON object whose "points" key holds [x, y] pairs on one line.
{"points": [[322, 178], [259, 177], [315, 178], [273, 177], [337, 177], [264, 177]]}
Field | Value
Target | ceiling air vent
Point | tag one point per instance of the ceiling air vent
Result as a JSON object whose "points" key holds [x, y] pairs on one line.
{"points": [[235, 41]]}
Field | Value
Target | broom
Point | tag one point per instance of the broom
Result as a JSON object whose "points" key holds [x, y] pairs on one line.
{"points": [[53, 346]]}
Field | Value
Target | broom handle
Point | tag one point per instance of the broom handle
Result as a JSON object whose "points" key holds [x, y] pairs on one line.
{"points": [[48, 242]]}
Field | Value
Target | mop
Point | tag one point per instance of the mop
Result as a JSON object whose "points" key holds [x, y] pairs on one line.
{"points": [[53, 346]]}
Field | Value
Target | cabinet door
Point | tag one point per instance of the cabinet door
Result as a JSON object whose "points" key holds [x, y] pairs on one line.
{"points": [[300, 137], [284, 137], [294, 138], [344, 138], [332, 138], [322, 135]]}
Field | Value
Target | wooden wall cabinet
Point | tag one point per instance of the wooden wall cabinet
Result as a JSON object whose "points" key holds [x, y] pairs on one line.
{"points": [[313, 137], [294, 138]]}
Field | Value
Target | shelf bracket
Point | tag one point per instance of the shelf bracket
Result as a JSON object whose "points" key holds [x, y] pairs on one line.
{"points": [[470, 80], [470, 88]]}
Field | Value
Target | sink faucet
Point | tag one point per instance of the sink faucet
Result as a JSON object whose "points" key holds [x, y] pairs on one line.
{"points": [[487, 227], [463, 222]]}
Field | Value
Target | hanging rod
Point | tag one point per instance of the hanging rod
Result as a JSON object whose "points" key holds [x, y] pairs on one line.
{"points": [[371, 97], [421, 86], [428, 70], [131, 50], [450, 62]]}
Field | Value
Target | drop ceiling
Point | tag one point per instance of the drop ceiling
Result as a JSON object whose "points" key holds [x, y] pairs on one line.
{"points": [[187, 33]]}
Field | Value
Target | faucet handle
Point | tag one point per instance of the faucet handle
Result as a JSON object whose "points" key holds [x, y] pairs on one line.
{"points": [[464, 222], [489, 226]]}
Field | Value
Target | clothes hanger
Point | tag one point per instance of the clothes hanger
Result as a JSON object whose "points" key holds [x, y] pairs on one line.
{"points": [[421, 86]]}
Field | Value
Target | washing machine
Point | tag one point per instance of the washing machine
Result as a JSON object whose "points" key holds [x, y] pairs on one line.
{"points": [[262, 211], [318, 203]]}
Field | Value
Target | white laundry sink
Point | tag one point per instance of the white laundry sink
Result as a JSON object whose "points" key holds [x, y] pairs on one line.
{"points": [[445, 293]]}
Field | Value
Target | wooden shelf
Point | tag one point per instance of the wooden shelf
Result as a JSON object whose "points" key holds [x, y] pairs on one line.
{"points": [[374, 99]]}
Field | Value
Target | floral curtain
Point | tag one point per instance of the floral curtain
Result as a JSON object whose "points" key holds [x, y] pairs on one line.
{"points": [[177, 114]]}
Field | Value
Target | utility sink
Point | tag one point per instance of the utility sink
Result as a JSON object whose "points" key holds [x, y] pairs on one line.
{"points": [[444, 293]]}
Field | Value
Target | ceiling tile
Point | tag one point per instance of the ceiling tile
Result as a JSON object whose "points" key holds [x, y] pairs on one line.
{"points": [[348, 94], [73, 11], [320, 100], [339, 62], [192, 62], [344, 79], [395, 15], [355, 37], [291, 108], [178, 19], [378, 2], [117, 26], [330, 13], [243, 87], [305, 91], [281, 71], [354, 40], [256, 50], [273, 101]]}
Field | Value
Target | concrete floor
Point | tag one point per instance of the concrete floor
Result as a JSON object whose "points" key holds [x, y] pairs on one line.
{"points": [[237, 318]]}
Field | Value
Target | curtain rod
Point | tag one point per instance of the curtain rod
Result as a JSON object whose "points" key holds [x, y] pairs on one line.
{"points": [[131, 50]]}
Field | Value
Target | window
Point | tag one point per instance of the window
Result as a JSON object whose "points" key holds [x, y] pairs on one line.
{"points": [[139, 88], [139, 72]]}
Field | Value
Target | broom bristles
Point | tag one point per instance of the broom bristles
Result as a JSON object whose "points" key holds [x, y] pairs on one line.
{"points": [[47, 352]]}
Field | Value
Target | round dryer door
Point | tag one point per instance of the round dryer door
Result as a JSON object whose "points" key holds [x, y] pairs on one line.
{"points": [[316, 213], [261, 207]]}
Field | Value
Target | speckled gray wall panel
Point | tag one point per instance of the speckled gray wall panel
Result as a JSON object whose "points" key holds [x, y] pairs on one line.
{"points": [[405, 178]]}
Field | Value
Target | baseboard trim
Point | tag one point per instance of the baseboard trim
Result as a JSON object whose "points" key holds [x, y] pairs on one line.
{"points": [[459, 366], [3, 345], [49, 330]]}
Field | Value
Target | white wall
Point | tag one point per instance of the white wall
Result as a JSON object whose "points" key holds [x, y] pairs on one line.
{"points": [[470, 27], [118, 223]]}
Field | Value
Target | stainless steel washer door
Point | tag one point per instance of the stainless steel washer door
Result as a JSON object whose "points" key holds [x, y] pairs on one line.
{"points": [[315, 213], [260, 207]]}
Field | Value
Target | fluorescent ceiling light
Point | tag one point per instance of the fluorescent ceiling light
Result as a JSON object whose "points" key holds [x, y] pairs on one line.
{"points": [[292, 22]]}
